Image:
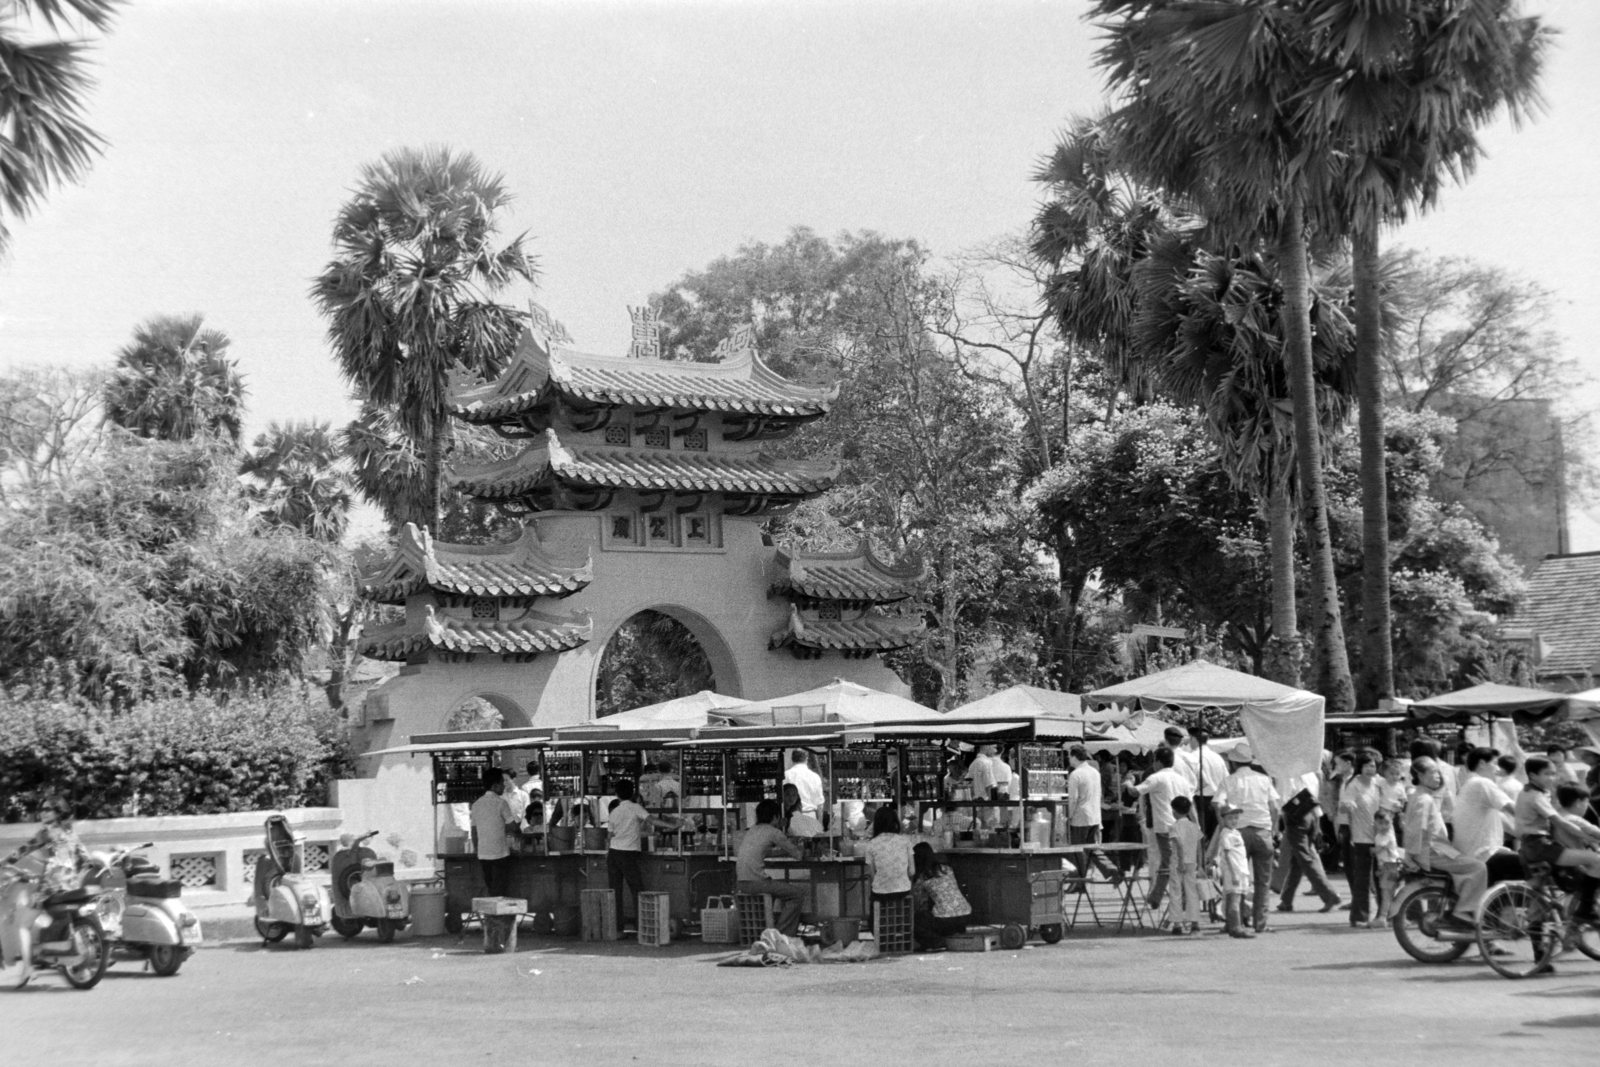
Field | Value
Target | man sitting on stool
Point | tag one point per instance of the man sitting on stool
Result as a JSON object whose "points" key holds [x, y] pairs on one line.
{"points": [[760, 841]]}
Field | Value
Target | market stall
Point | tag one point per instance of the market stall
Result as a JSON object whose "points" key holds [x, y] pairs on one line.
{"points": [[1284, 724]]}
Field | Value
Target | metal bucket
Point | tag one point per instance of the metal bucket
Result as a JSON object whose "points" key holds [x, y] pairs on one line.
{"points": [[843, 931], [427, 910], [562, 838]]}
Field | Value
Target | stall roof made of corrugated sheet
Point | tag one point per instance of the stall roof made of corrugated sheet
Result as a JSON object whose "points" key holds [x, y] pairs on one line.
{"points": [[595, 466], [519, 569], [741, 383], [529, 635], [1563, 607]]}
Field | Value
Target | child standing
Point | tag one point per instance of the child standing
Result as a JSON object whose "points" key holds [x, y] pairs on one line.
{"points": [[1233, 869], [1386, 850], [1183, 904]]}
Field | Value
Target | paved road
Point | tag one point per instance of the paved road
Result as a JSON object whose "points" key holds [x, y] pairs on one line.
{"points": [[1312, 992]]}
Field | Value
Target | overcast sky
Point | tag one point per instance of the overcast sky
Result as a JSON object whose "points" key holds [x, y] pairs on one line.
{"points": [[641, 140]]}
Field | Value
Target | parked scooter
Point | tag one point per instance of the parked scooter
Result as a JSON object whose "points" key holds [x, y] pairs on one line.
{"points": [[145, 918], [60, 930], [366, 892], [286, 899]]}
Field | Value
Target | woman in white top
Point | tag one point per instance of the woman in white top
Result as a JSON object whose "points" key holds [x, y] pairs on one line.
{"points": [[888, 855]]}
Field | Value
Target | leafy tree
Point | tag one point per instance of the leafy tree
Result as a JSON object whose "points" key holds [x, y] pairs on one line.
{"points": [[1211, 98], [410, 295], [302, 486], [652, 657], [49, 426], [44, 141], [175, 382]]}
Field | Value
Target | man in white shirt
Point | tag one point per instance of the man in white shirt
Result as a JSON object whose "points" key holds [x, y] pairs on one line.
{"points": [[1205, 770], [627, 822], [807, 781], [491, 816], [1083, 815], [1161, 787], [1480, 808], [1249, 789], [517, 800]]}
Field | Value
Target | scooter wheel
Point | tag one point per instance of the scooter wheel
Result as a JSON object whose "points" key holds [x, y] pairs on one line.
{"points": [[304, 937], [94, 955], [387, 930], [347, 928], [166, 959], [272, 932]]}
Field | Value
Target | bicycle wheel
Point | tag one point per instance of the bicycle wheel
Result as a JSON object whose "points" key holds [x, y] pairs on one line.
{"points": [[1585, 936], [1519, 929]]}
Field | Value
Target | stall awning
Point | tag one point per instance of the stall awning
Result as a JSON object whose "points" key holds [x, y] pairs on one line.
{"points": [[460, 746], [941, 729], [1492, 699], [762, 741]]}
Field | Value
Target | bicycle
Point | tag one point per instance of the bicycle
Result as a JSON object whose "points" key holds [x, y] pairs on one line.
{"points": [[1524, 926]]}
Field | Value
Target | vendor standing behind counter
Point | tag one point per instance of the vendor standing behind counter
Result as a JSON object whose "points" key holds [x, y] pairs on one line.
{"points": [[627, 821], [760, 841]]}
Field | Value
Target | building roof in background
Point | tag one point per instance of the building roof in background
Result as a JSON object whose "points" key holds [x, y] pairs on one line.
{"points": [[858, 575], [1563, 608], [521, 568]]}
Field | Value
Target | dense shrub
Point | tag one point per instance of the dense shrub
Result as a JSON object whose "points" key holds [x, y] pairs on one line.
{"points": [[195, 754]]}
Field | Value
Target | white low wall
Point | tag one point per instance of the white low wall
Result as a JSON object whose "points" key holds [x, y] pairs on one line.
{"points": [[213, 847]]}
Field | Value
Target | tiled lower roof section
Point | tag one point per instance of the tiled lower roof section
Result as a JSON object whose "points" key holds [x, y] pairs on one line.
{"points": [[853, 576], [881, 633], [1563, 607], [528, 635], [642, 469], [519, 569]]}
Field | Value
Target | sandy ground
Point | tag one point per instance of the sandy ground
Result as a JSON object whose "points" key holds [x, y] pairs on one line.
{"points": [[1314, 991]]}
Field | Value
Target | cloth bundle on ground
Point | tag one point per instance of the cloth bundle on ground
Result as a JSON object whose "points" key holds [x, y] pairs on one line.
{"points": [[773, 949]]}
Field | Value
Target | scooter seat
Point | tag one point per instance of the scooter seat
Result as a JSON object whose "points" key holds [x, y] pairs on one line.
{"points": [[81, 895], [155, 888]]}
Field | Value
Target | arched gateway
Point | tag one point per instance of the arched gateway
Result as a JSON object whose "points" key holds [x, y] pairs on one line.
{"points": [[644, 483]]}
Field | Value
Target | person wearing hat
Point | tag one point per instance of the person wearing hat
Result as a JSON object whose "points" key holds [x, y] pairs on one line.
{"points": [[1233, 868], [1250, 789]]}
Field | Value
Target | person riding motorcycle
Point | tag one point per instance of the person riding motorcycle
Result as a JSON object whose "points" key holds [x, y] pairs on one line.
{"points": [[54, 856], [1427, 843]]}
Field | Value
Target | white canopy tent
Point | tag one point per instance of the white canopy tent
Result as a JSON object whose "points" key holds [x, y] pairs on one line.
{"points": [[837, 702], [698, 709], [1120, 739], [1284, 725], [1051, 713]]}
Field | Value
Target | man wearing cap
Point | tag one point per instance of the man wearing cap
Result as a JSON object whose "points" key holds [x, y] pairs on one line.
{"points": [[1204, 769], [1249, 789]]}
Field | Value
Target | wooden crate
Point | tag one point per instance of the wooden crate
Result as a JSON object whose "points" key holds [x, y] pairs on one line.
{"points": [[599, 915], [977, 939], [655, 918], [499, 905]]}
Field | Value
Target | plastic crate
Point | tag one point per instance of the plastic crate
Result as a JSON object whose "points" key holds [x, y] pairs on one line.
{"points": [[977, 939], [891, 925], [655, 917], [599, 911], [719, 921], [756, 915]]}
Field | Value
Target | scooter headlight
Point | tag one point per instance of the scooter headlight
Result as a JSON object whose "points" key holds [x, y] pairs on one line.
{"points": [[188, 919], [309, 902], [393, 896]]}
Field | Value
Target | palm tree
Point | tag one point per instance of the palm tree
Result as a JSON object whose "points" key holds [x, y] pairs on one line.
{"points": [[1402, 89], [297, 464], [409, 294], [1210, 329], [174, 382], [44, 141], [1211, 110]]}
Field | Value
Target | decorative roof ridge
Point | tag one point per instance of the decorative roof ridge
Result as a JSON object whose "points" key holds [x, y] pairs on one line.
{"points": [[420, 561], [534, 632], [833, 633]]}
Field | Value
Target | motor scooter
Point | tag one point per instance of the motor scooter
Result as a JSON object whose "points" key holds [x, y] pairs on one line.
{"points": [[1425, 896], [285, 898], [145, 917], [42, 930], [366, 892]]}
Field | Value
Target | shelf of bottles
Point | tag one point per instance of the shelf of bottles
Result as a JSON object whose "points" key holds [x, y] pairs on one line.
{"points": [[866, 773], [1044, 772], [458, 776], [702, 774]]}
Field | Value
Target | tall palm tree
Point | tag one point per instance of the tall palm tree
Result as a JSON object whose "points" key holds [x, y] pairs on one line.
{"points": [[1210, 328], [409, 294], [297, 464], [44, 141], [1211, 108], [175, 382], [1402, 88]]}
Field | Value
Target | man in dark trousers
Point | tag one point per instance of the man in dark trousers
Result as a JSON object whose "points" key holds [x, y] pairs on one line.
{"points": [[1301, 816]]}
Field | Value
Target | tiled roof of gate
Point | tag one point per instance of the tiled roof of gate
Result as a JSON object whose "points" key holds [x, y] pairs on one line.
{"points": [[1563, 607], [533, 633], [859, 575], [643, 469], [881, 633], [741, 383], [519, 569]]}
